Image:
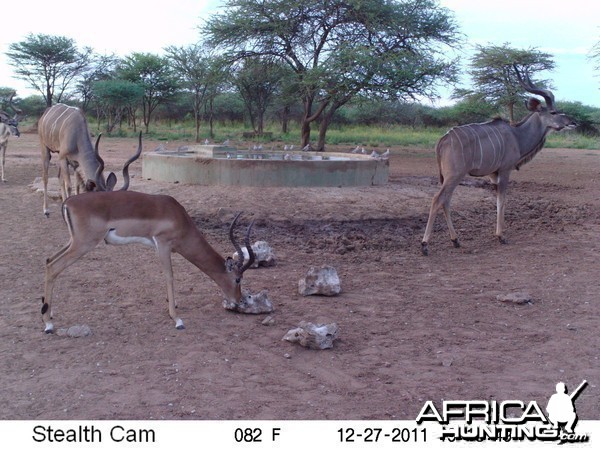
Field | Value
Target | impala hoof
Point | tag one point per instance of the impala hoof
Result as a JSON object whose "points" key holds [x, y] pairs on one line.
{"points": [[455, 243], [424, 249], [502, 240], [47, 214], [179, 324], [49, 328]]}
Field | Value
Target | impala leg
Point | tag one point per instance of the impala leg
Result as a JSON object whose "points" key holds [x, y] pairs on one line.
{"points": [[54, 266], [500, 204], [45, 167], [164, 255]]}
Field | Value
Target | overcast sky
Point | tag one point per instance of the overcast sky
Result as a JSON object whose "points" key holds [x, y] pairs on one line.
{"points": [[567, 29]]}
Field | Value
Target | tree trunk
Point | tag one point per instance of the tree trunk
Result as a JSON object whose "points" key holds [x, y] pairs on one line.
{"points": [[285, 119], [325, 121], [511, 113]]}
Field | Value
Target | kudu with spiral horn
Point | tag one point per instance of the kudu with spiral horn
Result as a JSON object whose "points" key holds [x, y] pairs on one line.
{"points": [[492, 149], [63, 130]]}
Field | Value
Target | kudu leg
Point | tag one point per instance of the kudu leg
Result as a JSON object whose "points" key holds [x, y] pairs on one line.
{"points": [[3, 156], [501, 189], [45, 167], [65, 180], [441, 201]]}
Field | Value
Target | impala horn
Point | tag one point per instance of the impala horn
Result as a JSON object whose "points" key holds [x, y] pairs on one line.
{"points": [[129, 161], [241, 266]]}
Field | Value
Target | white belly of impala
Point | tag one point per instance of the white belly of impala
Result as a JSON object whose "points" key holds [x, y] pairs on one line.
{"points": [[114, 239]]}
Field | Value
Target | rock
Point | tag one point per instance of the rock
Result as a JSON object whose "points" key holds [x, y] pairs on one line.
{"points": [[53, 187], [320, 281], [519, 298], [313, 336], [263, 253], [269, 320], [75, 331], [251, 304]]}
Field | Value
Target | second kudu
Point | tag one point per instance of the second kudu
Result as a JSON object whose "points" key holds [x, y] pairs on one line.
{"points": [[492, 149], [63, 129], [8, 126]]}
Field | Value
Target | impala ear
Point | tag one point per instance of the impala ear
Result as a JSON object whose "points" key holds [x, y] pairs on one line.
{"points": [[229, 264], [533, 104]]}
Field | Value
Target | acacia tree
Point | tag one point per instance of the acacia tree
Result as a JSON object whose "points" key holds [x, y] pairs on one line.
{"points": [[101, 68], [340, 48], [116, 98], [193, 65], [153, 73], [257, 82], [494, 78], [48, 63]]}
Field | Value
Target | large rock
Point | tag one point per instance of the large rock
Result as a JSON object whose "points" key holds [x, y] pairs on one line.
{"points": [[320, 281]]}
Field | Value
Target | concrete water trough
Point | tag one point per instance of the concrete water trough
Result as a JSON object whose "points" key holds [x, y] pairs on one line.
{"points": [[214, 165]]}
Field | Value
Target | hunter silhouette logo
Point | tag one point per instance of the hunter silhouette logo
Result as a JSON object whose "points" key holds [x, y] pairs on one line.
{"points": [[509, 420], [561, 407]]}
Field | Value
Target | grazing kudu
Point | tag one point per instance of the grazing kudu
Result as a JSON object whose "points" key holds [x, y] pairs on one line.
{"points": [[158, 221], [8, 127], [63, 129], [492, 149]]}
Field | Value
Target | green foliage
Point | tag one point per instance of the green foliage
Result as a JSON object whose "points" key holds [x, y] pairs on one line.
{"points": [[33, 106], [586, 117], [340, 49], [156, 77], [494, 78], [48, 63]]}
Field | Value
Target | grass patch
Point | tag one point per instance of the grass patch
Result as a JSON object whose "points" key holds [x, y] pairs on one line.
{"points": [[370, 137]]}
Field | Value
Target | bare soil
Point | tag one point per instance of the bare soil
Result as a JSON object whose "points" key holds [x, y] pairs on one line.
{"points": [[412, 328]]}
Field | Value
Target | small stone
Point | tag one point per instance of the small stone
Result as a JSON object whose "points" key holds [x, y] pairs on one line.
{"points": [[269, 320], [519, 298], [251, 304], [287, 356], [263, 255], [307, 334], [75, 331]]}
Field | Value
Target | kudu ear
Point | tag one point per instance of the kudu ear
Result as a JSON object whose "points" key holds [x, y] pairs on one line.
{"points": [[111, 181], [533, 104]]}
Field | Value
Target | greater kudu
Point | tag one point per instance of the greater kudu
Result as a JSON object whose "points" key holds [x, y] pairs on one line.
{"points": [[492, 149], [63, 129], [8, 127], [6, 130]]}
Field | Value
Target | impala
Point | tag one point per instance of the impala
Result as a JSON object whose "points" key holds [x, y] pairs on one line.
{"points": [[492, 149], [63, 129], [157, 221]]}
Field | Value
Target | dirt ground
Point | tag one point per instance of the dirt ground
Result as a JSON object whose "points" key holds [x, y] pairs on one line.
{"points": [[412, 328]]}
